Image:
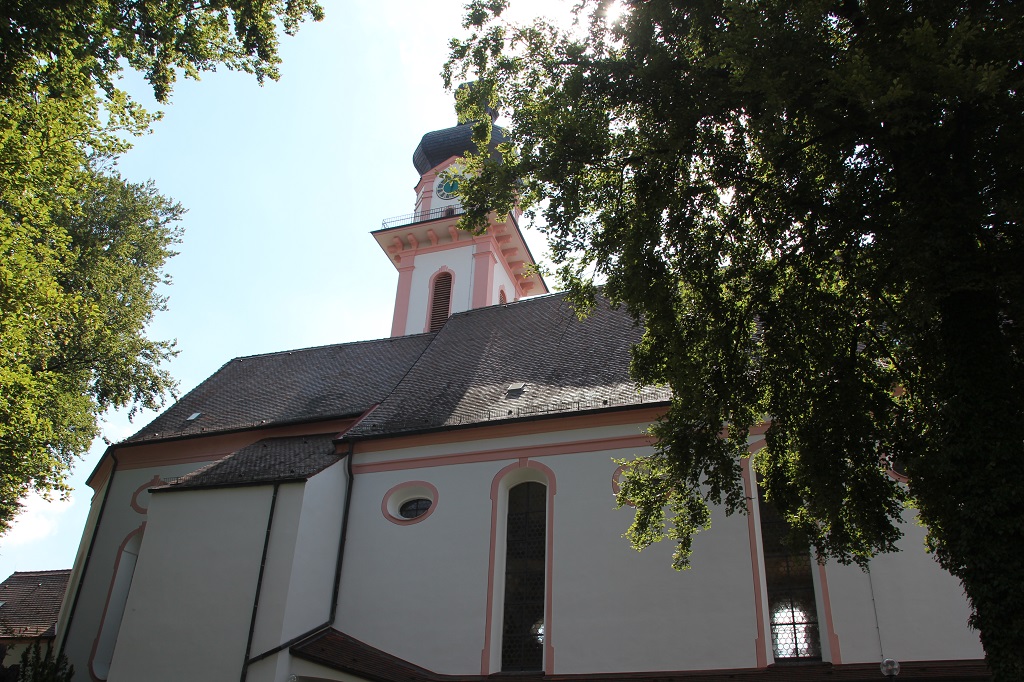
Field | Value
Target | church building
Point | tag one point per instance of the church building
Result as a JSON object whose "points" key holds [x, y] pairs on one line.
{"points": [[440, 505]]}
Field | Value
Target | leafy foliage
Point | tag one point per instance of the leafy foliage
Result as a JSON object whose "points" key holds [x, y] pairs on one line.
{"points": [[37, 666], [82, 249], [815, 207]]}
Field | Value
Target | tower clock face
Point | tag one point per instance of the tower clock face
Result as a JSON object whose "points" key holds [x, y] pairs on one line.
{"points": [[446, 188]]}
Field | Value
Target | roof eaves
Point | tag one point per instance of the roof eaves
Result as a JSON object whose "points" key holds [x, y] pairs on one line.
{"points": [[349, 437]]}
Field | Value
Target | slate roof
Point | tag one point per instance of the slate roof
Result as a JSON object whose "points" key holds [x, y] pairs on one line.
{"points": [[30, 602], [458, 376], [337, 650], [271, 460], [439, 145], [302, 385], [567, 365]]}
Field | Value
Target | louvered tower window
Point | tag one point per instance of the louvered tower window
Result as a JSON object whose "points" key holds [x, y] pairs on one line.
{"points": [[501, 297], [441, 301], [522, 638], [790, 586]]}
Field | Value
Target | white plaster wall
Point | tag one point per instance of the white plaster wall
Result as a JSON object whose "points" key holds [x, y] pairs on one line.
{"points": [[460, 261], [420, 591], [316, 550], [922, 611], [281, 558], [502, 279], [417, 591], [616, 609], [190, 604], [119, 521]]}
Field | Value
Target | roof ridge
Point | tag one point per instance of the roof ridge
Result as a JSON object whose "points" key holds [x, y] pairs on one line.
{"points": [[48, 570], [292, 351]]}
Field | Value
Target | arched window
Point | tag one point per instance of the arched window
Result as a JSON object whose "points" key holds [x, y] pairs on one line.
{"points": [[522, 642], [790, 585], [117, 597], [502, 299], [440, 301]]}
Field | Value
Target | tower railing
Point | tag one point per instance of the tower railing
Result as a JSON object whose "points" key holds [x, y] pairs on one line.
{"points": [[423, 216], [432, 214]]}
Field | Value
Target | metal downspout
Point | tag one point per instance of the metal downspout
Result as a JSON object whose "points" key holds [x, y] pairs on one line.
{"points": [[259, 583]]}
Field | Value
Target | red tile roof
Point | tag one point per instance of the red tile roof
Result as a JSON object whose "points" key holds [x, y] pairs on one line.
{"points": [[30, 602]]}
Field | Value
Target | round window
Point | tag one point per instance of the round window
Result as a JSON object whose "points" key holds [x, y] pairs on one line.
{"points": [[409, 502], [414, 508]]}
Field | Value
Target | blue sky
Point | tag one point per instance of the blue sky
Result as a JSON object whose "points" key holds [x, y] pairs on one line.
{"points": [[283, 185]]}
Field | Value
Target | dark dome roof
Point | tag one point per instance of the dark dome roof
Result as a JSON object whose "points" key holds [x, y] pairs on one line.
{"points": [[439, 145]]}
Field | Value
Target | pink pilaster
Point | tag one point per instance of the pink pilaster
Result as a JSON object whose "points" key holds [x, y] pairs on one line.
{"points": [[483, 274], [405, 268]]}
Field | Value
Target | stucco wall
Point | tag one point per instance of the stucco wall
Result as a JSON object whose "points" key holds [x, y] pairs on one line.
{"points": [[189, 609], [613, 609], [121, 520], [921, 610], [460, 261]]}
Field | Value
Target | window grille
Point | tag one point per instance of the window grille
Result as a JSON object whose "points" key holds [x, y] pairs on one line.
{"points": [[441, 301], [414, 508], [790, 586], [522, 642], [502, 299]]}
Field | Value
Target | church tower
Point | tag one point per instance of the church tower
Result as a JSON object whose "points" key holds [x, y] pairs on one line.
{"points": [[441, 269]]}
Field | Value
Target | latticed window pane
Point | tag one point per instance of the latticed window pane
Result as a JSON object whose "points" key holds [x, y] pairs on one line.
{"points": [[522, 644], [790, 585], [414, 508]]}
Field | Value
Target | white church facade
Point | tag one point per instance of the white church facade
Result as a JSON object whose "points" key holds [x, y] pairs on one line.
{"points": [[439, 505]]}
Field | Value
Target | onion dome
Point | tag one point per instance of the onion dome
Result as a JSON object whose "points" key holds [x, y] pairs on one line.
{"points": [[441, 145]]}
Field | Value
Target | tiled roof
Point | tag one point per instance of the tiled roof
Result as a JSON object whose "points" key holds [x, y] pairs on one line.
{"points": [[566, 365], [301, 385], [30, 602], [339, 651], [271, 460]]}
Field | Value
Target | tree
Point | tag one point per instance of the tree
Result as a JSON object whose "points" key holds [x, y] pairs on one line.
{"points": [[82, 249], [815, 208], [37, 666]]}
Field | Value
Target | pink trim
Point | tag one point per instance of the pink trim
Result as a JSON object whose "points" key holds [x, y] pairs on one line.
{"points": [[826, 607], [134, 502], [549, 648], [483, 275], [503, 429], [413, 243], [430, 294], [209, 448], [616, 486], [571, 447], [760, 649], [404, 293], [399, 521], [106, 604]]}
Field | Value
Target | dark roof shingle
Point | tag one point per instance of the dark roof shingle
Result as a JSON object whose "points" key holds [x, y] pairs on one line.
{"points": [[566, 364], [30, 602], [302, 385], [271, 460]]}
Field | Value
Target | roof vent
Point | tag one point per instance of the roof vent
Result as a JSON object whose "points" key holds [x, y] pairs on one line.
{"points": [[194, 416], [515, 387]]}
